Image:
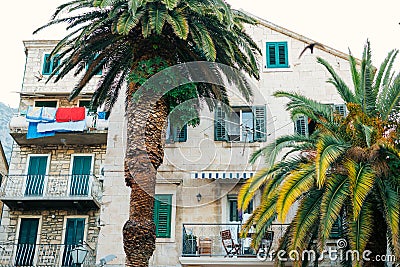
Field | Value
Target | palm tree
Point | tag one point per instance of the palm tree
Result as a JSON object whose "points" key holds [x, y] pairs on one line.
{"points": [[133, 40], [346, 170]]}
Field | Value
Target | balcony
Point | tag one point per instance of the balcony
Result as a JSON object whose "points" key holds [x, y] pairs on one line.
{"points": [[51, 191], [94, 134], [203, 245], [41, 255]]}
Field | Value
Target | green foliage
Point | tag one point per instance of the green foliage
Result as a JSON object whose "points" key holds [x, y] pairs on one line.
{"points": [[347, 168]]}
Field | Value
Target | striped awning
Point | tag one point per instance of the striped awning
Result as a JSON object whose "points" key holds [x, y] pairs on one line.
{"points": [[221, 175]]}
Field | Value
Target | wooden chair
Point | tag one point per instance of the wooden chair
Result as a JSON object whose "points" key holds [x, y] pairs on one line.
{"points": [[205, 245], [231, 248]]}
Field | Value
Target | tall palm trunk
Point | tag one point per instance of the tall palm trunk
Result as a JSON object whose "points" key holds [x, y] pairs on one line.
{"points": [[144, 154]]}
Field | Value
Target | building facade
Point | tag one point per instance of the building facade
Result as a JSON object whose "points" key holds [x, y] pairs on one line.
{"points": [[67, 188]]}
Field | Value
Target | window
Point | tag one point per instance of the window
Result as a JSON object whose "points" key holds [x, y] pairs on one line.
{"points": [[341, 109], [50, 64], [44, 103], [304, 125], [81, 170], [36, 175], [277, 55], [162, 215], [175, 134], [26, 248], [74, 235], [234, 215], [86, 104], [240, 125], [99, 72]]}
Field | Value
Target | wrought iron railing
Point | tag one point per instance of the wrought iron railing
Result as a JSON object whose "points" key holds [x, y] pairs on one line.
{"points": [[51, 186], [204, 239], [42, 255]]}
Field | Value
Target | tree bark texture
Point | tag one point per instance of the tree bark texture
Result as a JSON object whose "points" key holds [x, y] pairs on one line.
{"points": [[146, 123], [378, 242]]}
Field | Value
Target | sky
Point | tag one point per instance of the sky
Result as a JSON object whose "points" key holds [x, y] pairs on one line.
{"points": [[340, 24]]}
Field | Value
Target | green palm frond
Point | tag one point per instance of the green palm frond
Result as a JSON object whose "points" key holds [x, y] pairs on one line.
{"points": [[391, 202], [128, 21], [306, 219], [157, 17], [203, 39], [355, 74], [341, 87], [170, 4], [271, 151], [368, 131], [328, 150], [389, 98], [360, 229], [335, 195], [179, 24], [293, 186], [362, 178]]}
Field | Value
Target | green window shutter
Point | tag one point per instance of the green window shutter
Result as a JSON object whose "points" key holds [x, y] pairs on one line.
{"points": [[277, 55], [28, 231], [180, 135], [49, 65], [301, 125], [260, 119], [271, 55], [341, 109], [162, 215], [35, 179], [75, 231], [46, 65], [219, 125]]}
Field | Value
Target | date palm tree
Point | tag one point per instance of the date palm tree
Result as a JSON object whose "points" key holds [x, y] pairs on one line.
{"points": [[134, 39], [346, 170]]}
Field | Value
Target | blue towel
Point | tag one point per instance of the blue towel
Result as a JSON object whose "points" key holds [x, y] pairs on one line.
{"points": [[101, 115], [34, 114], [48, 114], [71, 126], [33, 133]]}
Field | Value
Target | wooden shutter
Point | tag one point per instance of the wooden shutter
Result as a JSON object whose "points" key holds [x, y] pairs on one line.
{"points": [[81, 170], [28, 231], [219, 125], [277, 55], [341, 109], [36, 176], [271, 55], [75, 231], [180, 135], [162, 215], [46, 65], [301, 125], [260, 119]]}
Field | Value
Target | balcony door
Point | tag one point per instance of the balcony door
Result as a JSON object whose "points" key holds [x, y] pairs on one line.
{"points": [[36, 175], [27, 242], [74, 234], [81, 170]]}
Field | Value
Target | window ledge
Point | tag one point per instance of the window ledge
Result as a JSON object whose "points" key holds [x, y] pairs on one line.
{"points": [[241, 144], [288, 69], [165, 240]]}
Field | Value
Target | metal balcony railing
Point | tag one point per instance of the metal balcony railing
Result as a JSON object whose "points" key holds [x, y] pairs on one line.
{"points": [[204, 239], [41, 255], [51, 187]]}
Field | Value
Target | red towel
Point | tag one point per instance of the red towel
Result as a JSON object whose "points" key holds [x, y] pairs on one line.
{"points": [[70, 114]]}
